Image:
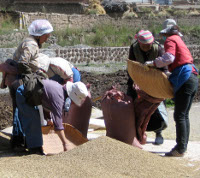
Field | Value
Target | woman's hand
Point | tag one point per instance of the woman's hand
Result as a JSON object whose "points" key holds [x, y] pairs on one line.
{"points": [[49, 122], [149, 63]]}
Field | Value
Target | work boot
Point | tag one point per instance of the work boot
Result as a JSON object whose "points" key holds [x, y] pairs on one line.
{"points": [[159, 139]]}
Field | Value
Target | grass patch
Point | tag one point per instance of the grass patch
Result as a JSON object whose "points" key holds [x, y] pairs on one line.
{"points": [[7, 25], [105, 35], [169, 103], [191, 30], [98, 35]]}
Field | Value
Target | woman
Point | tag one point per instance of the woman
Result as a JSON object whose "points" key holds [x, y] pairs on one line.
{"points": [[183, 78], [25, 57], [52, 99], [60, 70], [145, 48], [27, 52]]}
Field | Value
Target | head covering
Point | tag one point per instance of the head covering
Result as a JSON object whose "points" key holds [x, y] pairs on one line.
{"points": [[168, 27], [40, 27], [144, 37], [77, 92]]}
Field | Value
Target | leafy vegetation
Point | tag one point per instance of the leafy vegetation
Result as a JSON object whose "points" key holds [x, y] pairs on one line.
{"points": [[169, 103], [99, 34], [191, 30], [7, 25]]}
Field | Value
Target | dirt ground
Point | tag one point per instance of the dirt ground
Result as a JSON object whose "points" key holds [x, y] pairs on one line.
{"points": [[99, 84]]}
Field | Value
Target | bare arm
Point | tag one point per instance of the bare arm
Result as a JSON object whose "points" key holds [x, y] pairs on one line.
{"points": [[62, 137]]}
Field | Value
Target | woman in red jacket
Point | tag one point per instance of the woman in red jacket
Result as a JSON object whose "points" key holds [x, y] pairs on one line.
{"points": [[183, 78]]}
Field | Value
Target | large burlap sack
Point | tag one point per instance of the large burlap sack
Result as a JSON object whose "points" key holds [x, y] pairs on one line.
{"points": [[52, 143], [118, 112], [154, 82], [79, 117]]}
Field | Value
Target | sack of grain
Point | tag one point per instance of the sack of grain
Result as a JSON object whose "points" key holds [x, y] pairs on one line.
{"points": [[119, 117]]}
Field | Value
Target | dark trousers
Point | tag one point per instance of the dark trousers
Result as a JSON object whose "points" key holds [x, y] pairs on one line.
{"points": [[183, 101]]}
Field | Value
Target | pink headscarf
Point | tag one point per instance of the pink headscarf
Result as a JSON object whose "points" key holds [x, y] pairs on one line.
{"points": [[144, 37]]}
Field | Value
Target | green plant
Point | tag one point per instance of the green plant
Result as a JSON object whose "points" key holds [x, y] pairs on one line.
{"points": [[191, 30], [154, 27], [169, 103], [92, 11], [170, 10], [98, 35], [7, 25], [145, 9], [180, 13]]}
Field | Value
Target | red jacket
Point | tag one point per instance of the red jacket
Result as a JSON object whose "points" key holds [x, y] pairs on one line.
{"points": [[175, 45]]}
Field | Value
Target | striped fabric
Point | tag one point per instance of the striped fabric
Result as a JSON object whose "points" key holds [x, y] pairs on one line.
{"points": [[144, 37]]}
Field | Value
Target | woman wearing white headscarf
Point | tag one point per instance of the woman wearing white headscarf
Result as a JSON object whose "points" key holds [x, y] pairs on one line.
{"points": [[26, 53], [28, 50], [25, 56]]}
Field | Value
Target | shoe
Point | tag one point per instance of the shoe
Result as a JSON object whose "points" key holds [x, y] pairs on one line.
{"points": [[17, 144], [159, 139], [174, 153], [37, 150]]}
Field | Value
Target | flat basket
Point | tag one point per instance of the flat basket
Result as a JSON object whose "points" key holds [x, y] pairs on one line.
{"points": [[152, 81], [52, 143]]}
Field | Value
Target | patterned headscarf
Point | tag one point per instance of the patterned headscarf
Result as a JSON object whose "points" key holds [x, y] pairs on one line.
{"points": [[144, 37]]}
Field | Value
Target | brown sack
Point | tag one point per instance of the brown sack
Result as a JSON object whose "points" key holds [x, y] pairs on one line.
{"points": [[79, 117], [118, 112], [144, 107], [152, 81], [52, 143]]}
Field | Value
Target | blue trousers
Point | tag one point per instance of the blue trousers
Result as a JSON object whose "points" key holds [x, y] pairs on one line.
{"points": [[27, 120]]}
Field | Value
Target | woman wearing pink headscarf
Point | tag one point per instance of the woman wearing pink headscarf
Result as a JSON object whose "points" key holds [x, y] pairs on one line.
{"points": [[142, 50]]}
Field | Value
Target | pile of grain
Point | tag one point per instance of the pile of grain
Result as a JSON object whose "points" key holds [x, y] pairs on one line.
{"points": [[102, 157]]}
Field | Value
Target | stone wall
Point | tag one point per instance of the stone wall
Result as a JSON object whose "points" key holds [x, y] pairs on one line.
{"points": [[51, 1], [87, 21], [62, 8], [87, 56], [61, 21]]}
